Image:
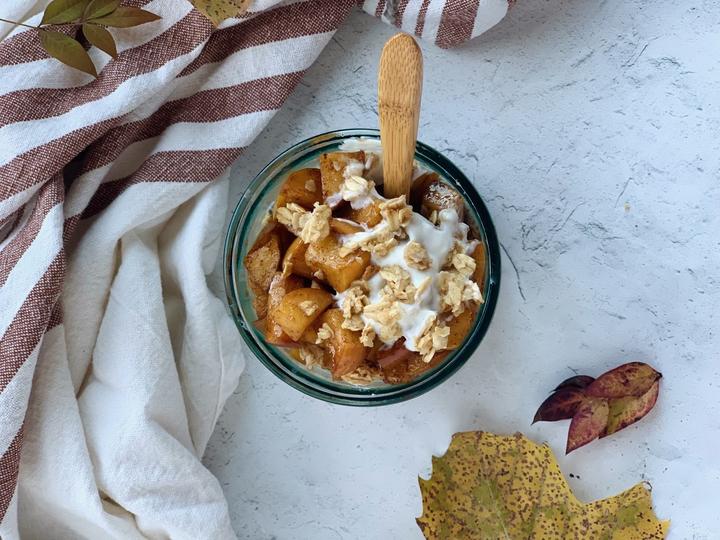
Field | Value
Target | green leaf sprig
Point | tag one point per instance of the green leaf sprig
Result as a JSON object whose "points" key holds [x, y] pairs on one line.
{"points": [[93, 17]]}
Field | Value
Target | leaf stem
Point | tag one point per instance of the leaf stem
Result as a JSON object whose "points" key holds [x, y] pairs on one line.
{"points": [[19, 23]]}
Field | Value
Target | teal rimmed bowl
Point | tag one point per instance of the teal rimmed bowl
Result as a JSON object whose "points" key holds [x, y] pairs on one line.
{"points": [[246, 223]]}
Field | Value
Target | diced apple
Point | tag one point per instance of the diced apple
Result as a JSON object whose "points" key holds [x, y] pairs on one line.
{"points": [[310, 333], [480, 266], [299, 308], [344, 226], [280, 286], [339, 271], [393, 356], [459, 327], [302, 187], [369, 215], [295, 256], [261, 263], [428, 193], [345, 348], [412, 367], [332, 167]]}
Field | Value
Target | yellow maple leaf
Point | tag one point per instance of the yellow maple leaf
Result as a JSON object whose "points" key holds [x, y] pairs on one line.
{"points": [[494, 487], [219, 10]]}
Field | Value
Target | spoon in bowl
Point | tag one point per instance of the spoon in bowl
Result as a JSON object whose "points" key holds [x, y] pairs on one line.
{"points": [[399, 91]]}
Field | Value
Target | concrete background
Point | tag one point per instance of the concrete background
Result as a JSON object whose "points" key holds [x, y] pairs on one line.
{"points": [[592, 130]]}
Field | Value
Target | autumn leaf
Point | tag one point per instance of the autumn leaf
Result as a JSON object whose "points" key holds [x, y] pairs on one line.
{"points": [[67, 50], [100, 8], [588, 423], [125, 17], [491, 487], [219, 10], [633, 379], [578, 381], [628, 410], [561, 405], [101, 38], [600, 407], [63, 11]]}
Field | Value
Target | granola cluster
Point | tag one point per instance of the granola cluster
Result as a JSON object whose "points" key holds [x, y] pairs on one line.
{"points": [[309, 226], [310, 355], [362, 376], [324, 333], [356, 188], [386, 314], [398, 284], [353, 305], [433, 338], [416, 256], [382, 238], [456, 290]]}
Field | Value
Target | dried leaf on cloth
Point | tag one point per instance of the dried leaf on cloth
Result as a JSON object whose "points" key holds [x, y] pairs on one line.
{"points": [[507, 487], [219, 10]]}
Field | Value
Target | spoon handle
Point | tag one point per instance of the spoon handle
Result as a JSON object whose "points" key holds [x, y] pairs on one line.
{"points": [[399, 92]]}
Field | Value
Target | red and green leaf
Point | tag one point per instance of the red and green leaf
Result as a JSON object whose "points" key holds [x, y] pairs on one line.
{"points": [[101, 38], [578, 381], [63, 11], [632, 379], [600, 407], [628, 410], [126, 17], [561, 405], [68, 50], [588, 423]]}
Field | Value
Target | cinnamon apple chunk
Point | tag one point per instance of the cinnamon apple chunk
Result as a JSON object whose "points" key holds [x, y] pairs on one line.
{"points": [[344, 226], [429, 194], [480, 257], [338, 271], [280, 286], [332, 171], [346, 351], [261, 263], [295, 257], [302, 187], [460, 326], [369, 215], [298, 309]]}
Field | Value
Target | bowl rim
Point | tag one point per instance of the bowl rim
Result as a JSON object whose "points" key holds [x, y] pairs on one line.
{"points": [[371, 396]]}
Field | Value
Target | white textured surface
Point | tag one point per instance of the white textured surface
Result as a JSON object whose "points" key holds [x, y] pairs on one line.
{"points": [[592, 130]]}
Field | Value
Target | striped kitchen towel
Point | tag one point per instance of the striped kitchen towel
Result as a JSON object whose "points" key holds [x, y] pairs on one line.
{"points": [[115, 357]]}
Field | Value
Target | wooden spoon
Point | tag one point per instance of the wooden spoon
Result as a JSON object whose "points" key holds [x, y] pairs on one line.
{"points": [[399, 91]]}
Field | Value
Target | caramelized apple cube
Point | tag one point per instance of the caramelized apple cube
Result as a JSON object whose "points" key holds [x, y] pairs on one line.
{"points": [[387, 358], [369, 215], [345, 348], [261, 263], [332, 168], [429, 194], [344, 226], [279, 287], [339, 271], [480, 266], [295, 256], [459, 327], [412, 367], [302, 187], [299, 308]]}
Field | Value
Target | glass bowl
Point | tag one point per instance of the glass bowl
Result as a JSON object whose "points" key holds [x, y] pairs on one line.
{"points": [[245, 224]]}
